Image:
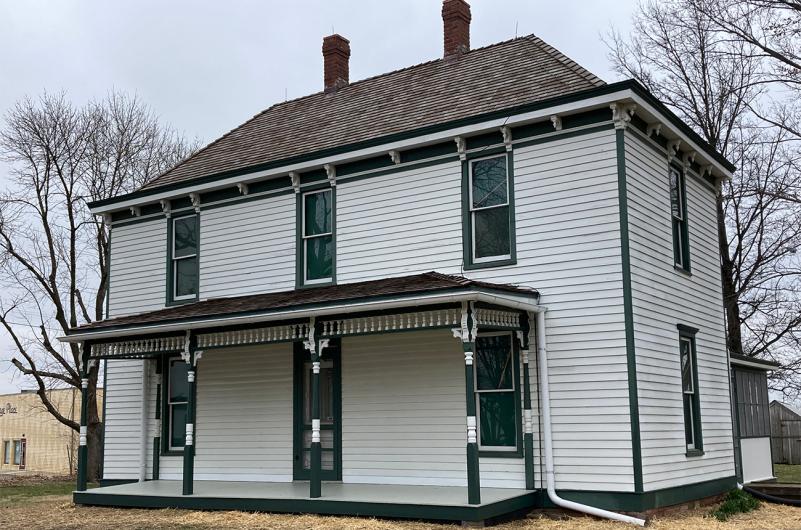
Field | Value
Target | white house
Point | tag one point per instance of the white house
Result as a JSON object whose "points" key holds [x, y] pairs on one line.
{"points": [[431, 293]]}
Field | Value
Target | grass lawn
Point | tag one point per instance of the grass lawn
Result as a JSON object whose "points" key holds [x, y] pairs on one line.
{"points": [[787, 473]]}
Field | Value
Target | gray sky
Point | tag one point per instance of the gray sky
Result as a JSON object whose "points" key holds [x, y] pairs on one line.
{"points": [[205, 67]]}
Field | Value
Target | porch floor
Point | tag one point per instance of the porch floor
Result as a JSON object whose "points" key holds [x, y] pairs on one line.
{"points": [[417, 502]]}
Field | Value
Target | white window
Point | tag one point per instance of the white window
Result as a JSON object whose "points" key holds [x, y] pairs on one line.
{"points": [[184, 258], [490, 219]]}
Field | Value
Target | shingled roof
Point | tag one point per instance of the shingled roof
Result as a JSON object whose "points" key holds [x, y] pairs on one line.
{"points": [[516, 72], [428, 282]]}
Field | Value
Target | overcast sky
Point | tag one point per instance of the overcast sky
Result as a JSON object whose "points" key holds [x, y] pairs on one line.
{"points": [[205, 67]]}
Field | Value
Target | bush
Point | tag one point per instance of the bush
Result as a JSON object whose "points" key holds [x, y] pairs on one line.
{"points": [[737, 501]]}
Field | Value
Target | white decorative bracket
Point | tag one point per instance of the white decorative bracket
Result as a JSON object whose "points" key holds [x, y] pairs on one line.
{"points": [[467, 332], [707, 170], [673, 148], [185, 356], [195, 198], [294, 177], [461, 147], [243, 188], [622, 114], [107, 219], [136, 211], [506, 132], [395, 156], [331, 172], [310, 344], [689, 158], [166, 207], [654, 129], [557, 122]]}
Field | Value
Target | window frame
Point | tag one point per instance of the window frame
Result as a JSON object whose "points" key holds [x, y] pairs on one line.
{"points": [[302, 250], [172, 268], [515, 451], [693, 423], [470, 260], [679, 226], [7, 451], [167, 449], [16, 452]]}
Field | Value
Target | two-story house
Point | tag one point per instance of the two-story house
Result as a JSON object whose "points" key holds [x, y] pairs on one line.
{"points": [[474, 286]]}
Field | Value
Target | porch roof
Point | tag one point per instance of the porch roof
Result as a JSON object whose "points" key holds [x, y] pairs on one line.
{"points": [[405, 291]]}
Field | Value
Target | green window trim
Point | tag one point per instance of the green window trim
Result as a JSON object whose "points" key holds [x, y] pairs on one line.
{"points": [[691, 402], [512, 388], [313, 231], [678, 218], [168, 404], [487, 208], [184, 259]]}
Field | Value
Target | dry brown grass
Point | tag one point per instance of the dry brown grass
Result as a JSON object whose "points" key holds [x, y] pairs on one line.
{"points": [[57, 512]]}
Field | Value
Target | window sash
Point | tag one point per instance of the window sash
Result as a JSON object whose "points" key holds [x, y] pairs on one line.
{"points": [[307, 238], [171, 403], [689, 393], [7, 451], [17, 452], [472, 211], [185, 257], [512, 390]]}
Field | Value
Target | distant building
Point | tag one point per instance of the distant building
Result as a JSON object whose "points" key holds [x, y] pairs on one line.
{"points": [[785, 434], [31, 439]]}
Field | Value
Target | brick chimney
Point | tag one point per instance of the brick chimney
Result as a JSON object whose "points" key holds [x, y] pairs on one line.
{"points": [[336, 53], [456, 22]]}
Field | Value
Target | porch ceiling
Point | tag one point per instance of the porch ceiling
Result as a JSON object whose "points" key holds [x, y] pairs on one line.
{"points": [[406, 291]]}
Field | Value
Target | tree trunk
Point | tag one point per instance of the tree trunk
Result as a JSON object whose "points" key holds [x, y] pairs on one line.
{"points": [[734, 339]]}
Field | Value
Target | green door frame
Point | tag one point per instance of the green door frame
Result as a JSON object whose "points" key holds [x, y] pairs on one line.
{"points": [[301, 355]]}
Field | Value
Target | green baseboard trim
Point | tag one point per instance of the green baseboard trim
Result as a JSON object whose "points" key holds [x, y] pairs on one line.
{"points": [[648, 500], [315, 506], [116, 481]]}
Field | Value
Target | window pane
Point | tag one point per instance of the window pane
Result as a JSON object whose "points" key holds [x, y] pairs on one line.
{"points": [[319, 257], [178, 426], [494, 362], [17, 452], [675, 194], [489, 182], [498, 419], [689, 434], [491, 235], [179, 385], [686, 366], [6, 452], [185, 233], [317, 213], [186, 277]]}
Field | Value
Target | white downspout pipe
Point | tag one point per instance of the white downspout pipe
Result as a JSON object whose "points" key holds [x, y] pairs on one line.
{"points": [[542, 359]]}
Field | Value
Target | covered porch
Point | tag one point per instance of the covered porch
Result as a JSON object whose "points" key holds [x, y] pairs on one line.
{"points": [[418, 502], [440, 326]]}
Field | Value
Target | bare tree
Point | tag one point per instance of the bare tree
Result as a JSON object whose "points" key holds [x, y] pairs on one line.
{"points": [[719, 83], [53, 252]]}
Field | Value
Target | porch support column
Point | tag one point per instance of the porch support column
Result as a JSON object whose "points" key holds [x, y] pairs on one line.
{"points": [[191, 356], [83, 450], [315, 348], [467, 333], [526, 337], [157, 424]]}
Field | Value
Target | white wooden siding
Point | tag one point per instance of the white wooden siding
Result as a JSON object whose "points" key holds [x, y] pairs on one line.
{"points": [[138, 267], [663, 298], [244, 417], [248, 247], [123, 419]]}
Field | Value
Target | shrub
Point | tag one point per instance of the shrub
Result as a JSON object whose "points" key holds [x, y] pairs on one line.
{"points": [[737, 501]]}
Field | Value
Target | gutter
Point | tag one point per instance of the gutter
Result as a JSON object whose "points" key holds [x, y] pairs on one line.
{"points": [[511, 301], [542, 361]]}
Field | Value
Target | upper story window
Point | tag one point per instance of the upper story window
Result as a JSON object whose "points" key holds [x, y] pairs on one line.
{"points": [[317, 237], [490, 215], [497, 398], [184, 258], [689, 388], [678, 214]]}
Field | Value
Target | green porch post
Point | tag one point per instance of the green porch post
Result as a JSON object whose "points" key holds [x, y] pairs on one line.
{"points": [[315, 347], [526, 336], [468, 335], [191, 356], [157, 438], [83, 450]]}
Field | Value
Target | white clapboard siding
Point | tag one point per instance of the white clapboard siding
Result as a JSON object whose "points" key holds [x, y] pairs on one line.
{"points": [[403, 409], [244, 417], [568, 247], [248, 247], [138, 267], [123, 419], [663, 298]]}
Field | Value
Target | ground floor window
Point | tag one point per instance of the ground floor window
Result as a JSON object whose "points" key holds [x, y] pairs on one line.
{"points": [[689, 388], [17, 452], [7, 451], [497, 397], [176, 403], [14, 452]]}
